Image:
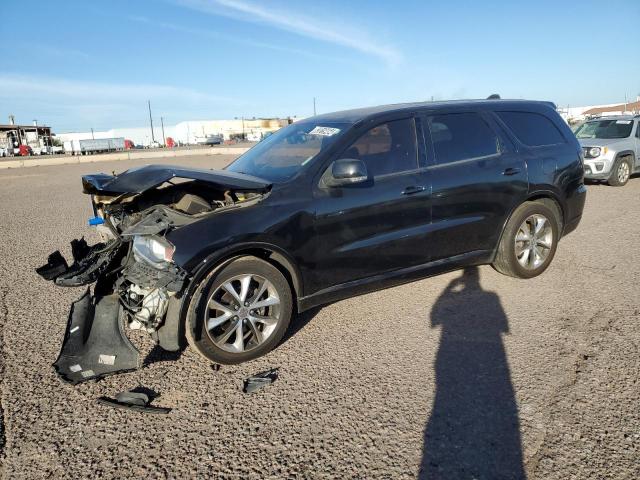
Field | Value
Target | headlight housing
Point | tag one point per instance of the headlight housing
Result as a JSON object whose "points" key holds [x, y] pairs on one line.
{"points": [[154, 250], [594, 152]]}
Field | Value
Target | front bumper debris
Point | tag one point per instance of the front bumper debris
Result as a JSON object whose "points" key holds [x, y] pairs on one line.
{"points": [[94, 344], [134, 400], [89, 263]]}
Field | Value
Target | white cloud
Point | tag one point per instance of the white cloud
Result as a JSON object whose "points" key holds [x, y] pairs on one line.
{"points": [[298, 24], [69, 104], [239, 40], [21, 86]]}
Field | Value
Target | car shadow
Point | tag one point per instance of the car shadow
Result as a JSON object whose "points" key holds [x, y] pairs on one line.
{"points": [[159, 354], [473, 431], [298, 322]]}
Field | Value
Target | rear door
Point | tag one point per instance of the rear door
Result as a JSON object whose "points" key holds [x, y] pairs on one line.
{"points": [[374, 227], [477, 178]]}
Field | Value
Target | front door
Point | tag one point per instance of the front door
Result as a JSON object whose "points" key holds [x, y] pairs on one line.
{"points": [[379, 225]]}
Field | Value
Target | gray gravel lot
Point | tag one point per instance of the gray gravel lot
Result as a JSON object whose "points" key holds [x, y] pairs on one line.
{"points": [[457, 376]]}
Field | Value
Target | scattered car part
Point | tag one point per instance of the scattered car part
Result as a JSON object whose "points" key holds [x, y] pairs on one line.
{"points": [[94, 344], [55, 266], [260, 380], [133, 400]]}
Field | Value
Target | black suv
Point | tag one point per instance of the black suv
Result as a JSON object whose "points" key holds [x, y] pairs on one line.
{"points": [[327, 208]]}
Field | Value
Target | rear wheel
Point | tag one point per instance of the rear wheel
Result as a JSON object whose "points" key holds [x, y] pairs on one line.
{"points": [[620, 172], [529, 240], [242, 312]]}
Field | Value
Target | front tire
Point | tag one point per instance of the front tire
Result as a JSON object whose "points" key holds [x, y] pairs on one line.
{"points": [[529, 241], [241, 313], [620, 172]]}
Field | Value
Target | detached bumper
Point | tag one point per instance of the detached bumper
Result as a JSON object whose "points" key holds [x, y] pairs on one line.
{"points": [[94, 344]]}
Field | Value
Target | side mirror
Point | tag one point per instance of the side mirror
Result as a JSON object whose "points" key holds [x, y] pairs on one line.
{"points": [[345, 171]]}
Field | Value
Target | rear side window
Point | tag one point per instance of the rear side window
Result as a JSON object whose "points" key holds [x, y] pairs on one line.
{"points": [[387, 148], [461, 136], [532, 129]]}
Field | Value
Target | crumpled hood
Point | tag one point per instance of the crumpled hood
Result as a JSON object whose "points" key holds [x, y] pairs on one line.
{"points": [[141, 179], [600, 142]]}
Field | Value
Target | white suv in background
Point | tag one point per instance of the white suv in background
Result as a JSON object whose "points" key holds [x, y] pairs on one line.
{"points": [[611, 148]]}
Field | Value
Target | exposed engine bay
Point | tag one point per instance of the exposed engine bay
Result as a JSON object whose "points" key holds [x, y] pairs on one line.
{"points": [[137, 285]]}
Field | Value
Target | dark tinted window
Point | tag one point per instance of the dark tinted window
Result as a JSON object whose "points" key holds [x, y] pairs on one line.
{"points": [[532, 129], [387, 148], [461, 136]]}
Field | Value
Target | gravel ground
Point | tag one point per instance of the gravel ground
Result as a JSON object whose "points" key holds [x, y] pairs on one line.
{"points": [[474, 375]]}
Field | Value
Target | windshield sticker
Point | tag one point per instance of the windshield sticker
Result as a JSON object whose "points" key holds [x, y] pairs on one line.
{"points": [[324, 131], [624, 122]]}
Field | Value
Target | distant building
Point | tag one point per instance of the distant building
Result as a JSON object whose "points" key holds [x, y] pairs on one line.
{"points": [[36, 137], [578, 114], [186, 132]]}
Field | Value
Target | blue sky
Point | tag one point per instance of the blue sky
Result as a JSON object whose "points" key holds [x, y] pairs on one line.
{"points": [[78, 64]]}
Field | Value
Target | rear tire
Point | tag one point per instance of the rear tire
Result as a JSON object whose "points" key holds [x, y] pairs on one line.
{"points": [[240, 312], [529, 240], [621, 172]]}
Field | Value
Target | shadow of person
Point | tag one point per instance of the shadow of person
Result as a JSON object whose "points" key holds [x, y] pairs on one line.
{"points": [[473, 431]]}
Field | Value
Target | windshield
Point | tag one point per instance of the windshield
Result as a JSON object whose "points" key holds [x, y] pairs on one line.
{"points": [[605, 129], [283, 154]]}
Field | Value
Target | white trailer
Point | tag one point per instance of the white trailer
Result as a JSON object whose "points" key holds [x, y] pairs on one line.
{"points": [[91, 146]]}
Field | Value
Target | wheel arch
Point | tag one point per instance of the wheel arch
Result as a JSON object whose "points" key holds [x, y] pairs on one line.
{"points": [[627, 153], [264, 251], [544, 195]]}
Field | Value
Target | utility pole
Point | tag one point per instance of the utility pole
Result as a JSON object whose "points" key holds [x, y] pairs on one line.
{"points": [[164, 142], [92, 137], [314, 106], [151, 121], [243, 128]]}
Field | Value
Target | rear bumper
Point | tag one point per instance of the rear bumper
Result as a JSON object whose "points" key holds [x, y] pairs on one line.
{"points": [[574, 208]]}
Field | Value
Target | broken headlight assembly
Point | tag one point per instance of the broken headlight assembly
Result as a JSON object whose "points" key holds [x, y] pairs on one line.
{"points": [[154, 250]]}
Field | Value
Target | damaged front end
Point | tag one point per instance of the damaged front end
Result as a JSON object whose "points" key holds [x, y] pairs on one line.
{"points": [[137, 284]]}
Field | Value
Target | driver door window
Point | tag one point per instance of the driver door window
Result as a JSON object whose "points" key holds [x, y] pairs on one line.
{"points": [[387, 148]]}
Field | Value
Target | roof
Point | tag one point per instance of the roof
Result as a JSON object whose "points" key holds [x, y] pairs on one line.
{"points": [[355, 115], [630, 107], [629, 116], [23, 127]]}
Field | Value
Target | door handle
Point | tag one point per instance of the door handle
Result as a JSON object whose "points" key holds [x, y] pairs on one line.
{"points": [[413, 189], [511, 171]]}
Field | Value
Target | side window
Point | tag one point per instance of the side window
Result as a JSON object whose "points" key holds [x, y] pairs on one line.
{"points": [[638, 129], [461, 136], [387, 148], [532, 129]]}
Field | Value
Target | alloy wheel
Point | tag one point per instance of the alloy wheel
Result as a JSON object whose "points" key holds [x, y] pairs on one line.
{"points": [[242, 313], [533, 241], [623, 172]]}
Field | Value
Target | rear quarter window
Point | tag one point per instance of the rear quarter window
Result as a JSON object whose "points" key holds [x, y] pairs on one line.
{"points": [[532, 129]]}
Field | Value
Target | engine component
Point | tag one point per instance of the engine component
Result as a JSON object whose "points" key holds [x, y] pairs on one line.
{"points": [[192, 204], [147, 307]]}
